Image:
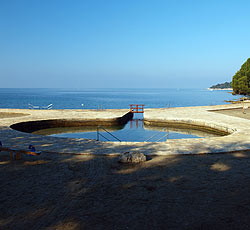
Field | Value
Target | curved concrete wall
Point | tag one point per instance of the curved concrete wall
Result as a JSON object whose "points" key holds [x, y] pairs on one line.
{"points": [[31, 126], [191, 124]]}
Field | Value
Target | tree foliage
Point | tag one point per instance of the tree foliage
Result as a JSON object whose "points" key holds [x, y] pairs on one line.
{"points": [[241, 80], [224, 85]]}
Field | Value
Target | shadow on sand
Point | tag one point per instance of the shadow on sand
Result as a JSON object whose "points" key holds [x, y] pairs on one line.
{"points": [[59, 191]]}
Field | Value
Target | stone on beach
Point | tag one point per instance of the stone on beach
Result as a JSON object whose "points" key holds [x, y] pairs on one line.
{"points": [[132, 157]]}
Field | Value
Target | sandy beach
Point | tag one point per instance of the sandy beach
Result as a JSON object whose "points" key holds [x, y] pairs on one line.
{"points": [[79, 192], [61, 191]]}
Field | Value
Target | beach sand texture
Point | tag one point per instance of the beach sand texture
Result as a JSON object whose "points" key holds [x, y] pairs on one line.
{"points": [[70, 192]]}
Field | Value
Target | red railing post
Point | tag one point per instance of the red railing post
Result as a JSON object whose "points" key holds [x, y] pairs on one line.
{"points": [[136, 108]]}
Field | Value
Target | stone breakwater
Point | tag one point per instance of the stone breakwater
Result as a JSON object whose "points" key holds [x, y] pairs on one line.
{"points": [[202, 117]]}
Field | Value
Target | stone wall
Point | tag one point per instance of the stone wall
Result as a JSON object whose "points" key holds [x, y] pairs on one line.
{"points": [[31, 126]]}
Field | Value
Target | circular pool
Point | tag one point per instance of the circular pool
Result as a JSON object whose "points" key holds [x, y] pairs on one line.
{"points": [[134, 131]]}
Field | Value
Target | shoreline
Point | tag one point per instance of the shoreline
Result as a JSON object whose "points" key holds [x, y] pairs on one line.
{"points": [[226, 89]]}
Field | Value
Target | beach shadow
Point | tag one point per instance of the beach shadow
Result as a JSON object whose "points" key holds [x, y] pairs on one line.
{"points": [[57, 191]]}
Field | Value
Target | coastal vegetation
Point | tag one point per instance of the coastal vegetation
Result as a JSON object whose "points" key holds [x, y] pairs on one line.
{"points": [[224, 85], [241, 80]]}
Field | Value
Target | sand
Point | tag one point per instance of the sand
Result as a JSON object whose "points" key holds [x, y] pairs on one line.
{"points": [[236, 112], [91, 192], [57, 191], [10, 115]]}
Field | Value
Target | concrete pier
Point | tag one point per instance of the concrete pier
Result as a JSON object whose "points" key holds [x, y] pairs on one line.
{"points": [[238, 130]]}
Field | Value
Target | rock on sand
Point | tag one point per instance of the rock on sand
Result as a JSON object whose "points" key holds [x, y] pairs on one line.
{"points": [[132, 157]]}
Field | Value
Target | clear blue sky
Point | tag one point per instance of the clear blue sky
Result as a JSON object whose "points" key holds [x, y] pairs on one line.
{"points": [[122, 43]]}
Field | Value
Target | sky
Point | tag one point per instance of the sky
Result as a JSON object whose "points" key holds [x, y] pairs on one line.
{"points": [[122, 43]]}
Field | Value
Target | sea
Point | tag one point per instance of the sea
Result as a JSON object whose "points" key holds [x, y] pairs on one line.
{"points": [[21, 98], [99, 99]]}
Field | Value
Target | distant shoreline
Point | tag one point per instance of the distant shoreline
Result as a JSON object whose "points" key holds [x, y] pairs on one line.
{"points": [[220, 89]]}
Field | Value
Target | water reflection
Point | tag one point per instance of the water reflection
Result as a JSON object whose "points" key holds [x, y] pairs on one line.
{"points": [[134, 131]]}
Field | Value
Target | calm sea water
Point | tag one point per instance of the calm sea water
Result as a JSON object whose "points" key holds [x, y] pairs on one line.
{"points": [[111, 98]]}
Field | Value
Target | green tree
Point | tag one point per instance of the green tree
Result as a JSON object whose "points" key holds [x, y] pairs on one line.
{"points": [[241, 80]]}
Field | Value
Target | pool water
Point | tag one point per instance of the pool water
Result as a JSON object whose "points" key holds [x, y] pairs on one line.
{"points": [[134, 131]]}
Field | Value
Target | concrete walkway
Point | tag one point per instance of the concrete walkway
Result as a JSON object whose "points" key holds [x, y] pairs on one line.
{"points": [[202, 116]]}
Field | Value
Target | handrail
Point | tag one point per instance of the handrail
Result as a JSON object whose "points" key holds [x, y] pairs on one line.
{"points": [[136, 108], [103, 137], [40, 107], [98, 133], [166, 135], [156, 135], [47, 107]]}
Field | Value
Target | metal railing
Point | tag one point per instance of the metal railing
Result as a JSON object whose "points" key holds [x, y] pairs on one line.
{"points": [[166, 135], [99, 134], [156, 134], [40, 107]]}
